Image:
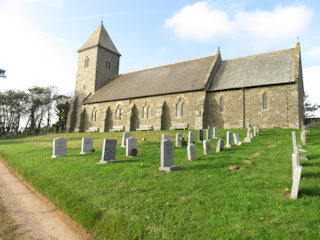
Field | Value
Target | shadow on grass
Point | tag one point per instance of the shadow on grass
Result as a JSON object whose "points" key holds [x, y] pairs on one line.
{"points": [[309, 164], [309, 191], [311, 174]]}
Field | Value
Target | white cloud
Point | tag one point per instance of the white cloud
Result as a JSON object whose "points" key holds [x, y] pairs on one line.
{"points": [[202, 22], [311, 81]]}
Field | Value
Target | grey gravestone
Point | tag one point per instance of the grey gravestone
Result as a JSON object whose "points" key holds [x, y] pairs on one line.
{"points": [[178, 139], [200, 135], [215, 133], [207, 147], [192, 152], [296, 148], [125, 135], [304, 137], [296, 182], [132, 143], [249, 134], [294, 140], [109, 150], [167, 156], [208, 133], [255, 131], [190, 137], [59, 147], [236, 139], [87, 145], [220, 145], [229, 139], [295, 161], [165, 137]]}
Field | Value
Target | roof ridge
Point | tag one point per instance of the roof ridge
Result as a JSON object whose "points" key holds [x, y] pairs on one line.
{"points": [[260, 54]]}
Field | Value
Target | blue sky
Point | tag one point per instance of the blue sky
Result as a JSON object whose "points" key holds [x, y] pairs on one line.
{"points": [[39, 38]]}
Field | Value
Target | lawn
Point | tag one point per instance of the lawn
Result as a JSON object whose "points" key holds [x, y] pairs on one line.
{"points": [[131, 199]]}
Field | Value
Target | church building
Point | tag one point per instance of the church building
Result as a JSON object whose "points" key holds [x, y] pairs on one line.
{"points": [[264, 89]]}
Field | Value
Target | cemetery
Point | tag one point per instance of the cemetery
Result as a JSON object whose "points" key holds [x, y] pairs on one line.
{"points": [[179, 184]]}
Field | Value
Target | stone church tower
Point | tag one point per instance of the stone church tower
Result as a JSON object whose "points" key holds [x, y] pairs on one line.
{"points": [[98, 60]]}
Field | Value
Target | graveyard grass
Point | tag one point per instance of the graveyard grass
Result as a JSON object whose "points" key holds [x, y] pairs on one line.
{"points": [[207, 199]]}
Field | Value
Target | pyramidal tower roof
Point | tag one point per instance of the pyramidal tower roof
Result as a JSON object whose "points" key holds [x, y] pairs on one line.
{"points": [[100, 38]]}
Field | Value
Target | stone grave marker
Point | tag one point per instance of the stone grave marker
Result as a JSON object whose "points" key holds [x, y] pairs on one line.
{"points": [[255, 131], [132, 143], [296, 182], [220, 145], [303, 136], [200, 135], [208, 133], [296, 148], [59, 147], [294, 140], [236, 139], [165, 137], [249, 134], [109, 150], [178, 139], [190, 137], [125, 135], [295, 161], [87, 145], [167, 156], [207, 147], [192, 152], [215, 133], [229, 139]]}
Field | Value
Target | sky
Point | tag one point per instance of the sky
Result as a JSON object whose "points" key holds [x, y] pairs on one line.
{"points": [[39, 39]]}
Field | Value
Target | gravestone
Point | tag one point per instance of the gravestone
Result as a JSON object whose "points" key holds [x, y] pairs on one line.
{"points": [[190, 137], [296, 182], [295, 161], [192, 152], [200, 135], [207, 147], [215, 133], [220, 145], [167, 157], [258, 130], [296, 148], [236, 139], [87, 145], [178, 139], [109, 150], [255, 131], [294, 140], [165, 137], [125, 135], [59, 147], [303, 136], [132, 143], [208, 133], [249, 134], [229, 139]]}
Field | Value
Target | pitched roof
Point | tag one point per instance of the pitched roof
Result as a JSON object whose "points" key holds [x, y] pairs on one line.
{"points": [[180, 77], [256, 70], [101, 38]]}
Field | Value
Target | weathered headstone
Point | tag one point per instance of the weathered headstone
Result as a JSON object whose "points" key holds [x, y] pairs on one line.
{"points": [[296, 148], [192, 152], [208, 133], [87, 145], [255, 131], [167, 156], [165, 137], [215, 133], [190, 137], [125, 135], [178, 139], [207, 147], [303, 137], [109, 150], [229, 139], [131, 144], [59, 147], [295, 161], [249, 134], [220, 145], [294, 140], [236, 139], [296, 182], [200, 135]]}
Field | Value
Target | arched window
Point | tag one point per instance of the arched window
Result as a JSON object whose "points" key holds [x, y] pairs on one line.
{"points": [[183, 109], [119, 112], [148, 112], [178, 110], [264, 101], [86, 62], [221, 105]]}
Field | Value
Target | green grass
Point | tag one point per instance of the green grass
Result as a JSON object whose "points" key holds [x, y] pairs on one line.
{"points": [[205, 200]]}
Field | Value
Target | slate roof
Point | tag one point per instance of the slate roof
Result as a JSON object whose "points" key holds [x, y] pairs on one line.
{"points": [[256, 70], [101, 38], [179, 77]]}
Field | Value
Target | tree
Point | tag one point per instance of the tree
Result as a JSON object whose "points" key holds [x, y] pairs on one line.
{"points": [[2, 73], [62, 104], [309, 108]]}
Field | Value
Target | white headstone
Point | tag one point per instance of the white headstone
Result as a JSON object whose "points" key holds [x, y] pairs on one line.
{"points": [[125, 135], [220, 145], [165, 137], [304, 137], [295, 161], [229, 139], [215, 133], [294, 140], [167, 156], [109, 150], [190, 137], [132, 143], [208, 134], [236, 139], [249, 134], [255, 131], [192, 152], [87, 145], [178, 139], [207, 147], [296, 182], [59, 147]]}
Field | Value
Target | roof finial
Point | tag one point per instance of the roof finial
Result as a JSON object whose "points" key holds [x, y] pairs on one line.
{"points": [[218, 48]]}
